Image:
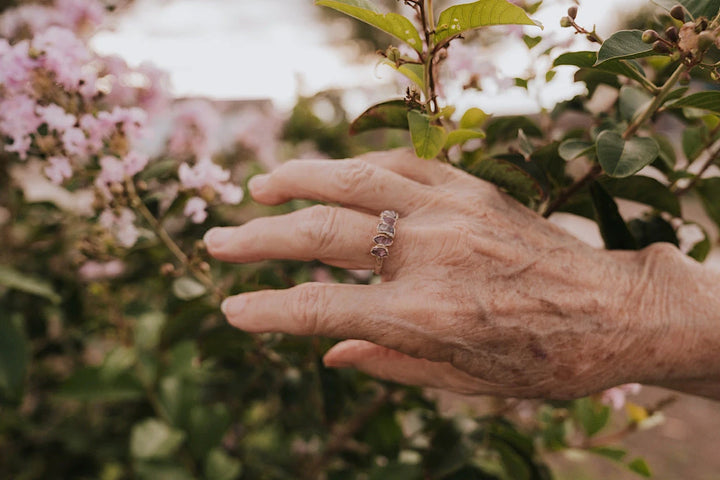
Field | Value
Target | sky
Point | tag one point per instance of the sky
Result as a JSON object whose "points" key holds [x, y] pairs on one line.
{"points": [[250, 49]]}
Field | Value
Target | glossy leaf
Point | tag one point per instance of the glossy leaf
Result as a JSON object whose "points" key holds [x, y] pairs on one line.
{"points": [[645, 190], [412, 71], [709, 101], [458, 137], [392, 114], [632, 100], [652, 229], [16, 280], [506, 128], [571, 149], [154, 439], [709, 191], [622, 158], [697, 8], [428, 139], [14, 356], [624, 44], [473, 118], [588, 59], [392, 23], [509, 177], [613, 228], [459, 18]]}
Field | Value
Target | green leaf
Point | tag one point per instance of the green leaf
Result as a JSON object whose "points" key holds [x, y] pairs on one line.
{"points": [[412, 71], [428, 139], [667, 157], [571, 149], [207, 426], [652, 229], [187, 288], [154, 439], [506, 128], [645, 190], [458, 137], [391, 23], [612, 453], [92, 384], [531, 42], [588, 59], [593, 416], [622, 158], [460, 18], [13, 279], [709, 191], [392, 114], [701, 250], [473, 118], [509, 177], [640, 467], [694, 140], [709, 101], [624, 44], [613, 229], [13, 358], [154, 470], [697, 8], [631, 101], [221, 466]]}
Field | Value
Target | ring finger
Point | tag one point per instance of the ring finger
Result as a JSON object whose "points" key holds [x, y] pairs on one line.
{"points": [[336, 236]]}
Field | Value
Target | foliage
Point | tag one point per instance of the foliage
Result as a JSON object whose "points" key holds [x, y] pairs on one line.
{"points": [[114, 359]]}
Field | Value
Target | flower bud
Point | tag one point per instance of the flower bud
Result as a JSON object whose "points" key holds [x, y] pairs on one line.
{"points": [[167, 269], [650, 36], [566, 22], [701, 24], [705, 40], [142, 185], [117, 189], [671, 33], [661, 47], [204, 266], [678, 13], [572, 12], [685, 78], [199, 246]]}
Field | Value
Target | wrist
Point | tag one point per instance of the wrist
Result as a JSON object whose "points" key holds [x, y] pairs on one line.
{"points": [[676, 301]]}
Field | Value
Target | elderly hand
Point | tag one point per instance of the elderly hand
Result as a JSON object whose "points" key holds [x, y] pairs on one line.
{"points": [[479, 295]]}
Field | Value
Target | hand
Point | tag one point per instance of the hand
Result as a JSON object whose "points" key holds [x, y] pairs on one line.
{"points": [[480, 295]]}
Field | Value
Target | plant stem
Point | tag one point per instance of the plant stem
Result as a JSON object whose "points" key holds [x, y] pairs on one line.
{"points": [[427, 18], [594, 173], [712, 158]]}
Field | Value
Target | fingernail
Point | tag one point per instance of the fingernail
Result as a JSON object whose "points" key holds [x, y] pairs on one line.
{"points": [[232, 305], [257, 182], [217, 237]]}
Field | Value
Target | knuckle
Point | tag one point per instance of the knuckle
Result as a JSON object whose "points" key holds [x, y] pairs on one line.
{"points": [[352, 174], [455, 244], [319, 227], [305, 305]]}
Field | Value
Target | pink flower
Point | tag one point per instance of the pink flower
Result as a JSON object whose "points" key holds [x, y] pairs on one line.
{"points": [[80, 14], [121, 224], [15, 65], [56, 117], [64, 54], [114, 170], [207, 174], [195, 209], [18, 120], [59, 170], [134, 163], [194, 130], [94, 271], [616, 397], [75, 142]]}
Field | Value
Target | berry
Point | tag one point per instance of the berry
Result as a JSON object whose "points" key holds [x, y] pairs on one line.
{"points": [[678, 13], [661, 47], [649, 36], [671, 33]]}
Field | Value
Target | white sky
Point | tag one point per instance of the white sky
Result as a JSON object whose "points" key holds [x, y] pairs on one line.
{"points": [[240, 49]]}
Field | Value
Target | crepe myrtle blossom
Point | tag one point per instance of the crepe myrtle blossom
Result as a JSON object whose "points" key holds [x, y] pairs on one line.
{"points": [[195, 210], [208, 181], [116, 170], [195, 126], [82, 16], [58, 170], [617, 396], [18, 120], [93, 271], [121, 224]]}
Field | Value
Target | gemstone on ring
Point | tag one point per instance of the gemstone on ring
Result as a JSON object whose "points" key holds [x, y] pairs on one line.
{"points": [[388, 230], [379, 251], [383, 239]]}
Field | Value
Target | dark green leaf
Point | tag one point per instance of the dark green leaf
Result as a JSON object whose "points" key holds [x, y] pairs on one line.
{"points": [[392, 23], [392, 114], [709, 101], [397, 471], [709, 191], [574, 148], [11, 278], [612, 453], [622, 158], [701, 250], [207, 426], [506, 128], [428, 139], [667, 158], [624, 44], [588, 59], [697, 8], [652, 229], [645, 190], [592, 415], [509, 177], [632, 100], [460, 18], [91, 384], [531, 42], [640, 467], [613, 229], [13, 358]]}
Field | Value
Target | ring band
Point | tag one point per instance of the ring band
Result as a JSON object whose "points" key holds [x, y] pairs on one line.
{"points": [[384, 238]]}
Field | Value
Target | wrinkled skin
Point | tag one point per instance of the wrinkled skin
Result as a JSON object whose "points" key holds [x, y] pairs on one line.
{"points": [[479, 295]]}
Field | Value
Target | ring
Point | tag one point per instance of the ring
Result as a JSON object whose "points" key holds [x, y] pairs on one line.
{"points": [[384, 237]]}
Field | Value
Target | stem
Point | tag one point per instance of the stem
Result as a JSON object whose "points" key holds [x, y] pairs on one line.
{"points": [[592, 175], [712, 158], [656, 103], [427, 18], [164, 236]]}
